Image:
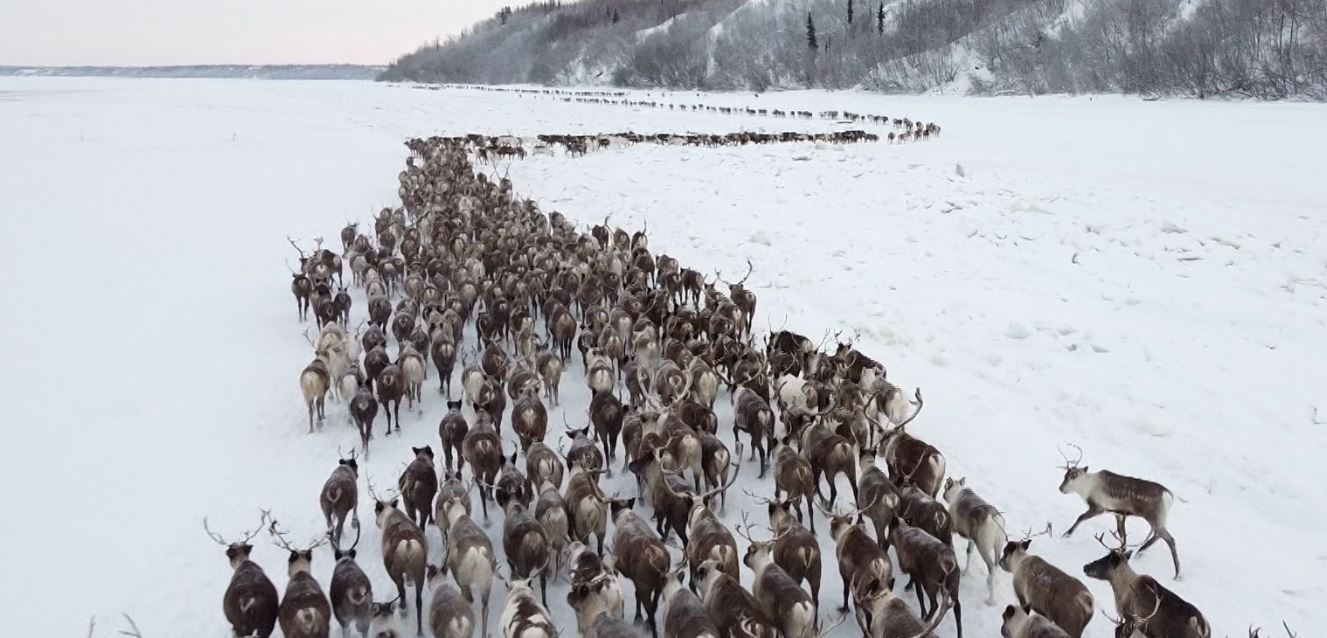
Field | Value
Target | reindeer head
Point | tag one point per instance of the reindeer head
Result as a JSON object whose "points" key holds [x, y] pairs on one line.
{"points": [[1115, 558], [301, 558], [1072, 470], [237, 551], [953, 487]]}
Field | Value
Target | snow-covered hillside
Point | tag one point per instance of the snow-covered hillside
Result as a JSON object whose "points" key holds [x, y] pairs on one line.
{"points": [[1145, 280]]}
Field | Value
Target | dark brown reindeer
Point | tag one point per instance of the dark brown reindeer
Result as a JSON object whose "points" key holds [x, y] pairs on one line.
{"points": [[364, 409], [876, 489], [752, 414], [404, 552], [418, 485], [391, 385], [452, 430], [1142, 602], [640, 556], [932, 569], [707, 538], [340, 497], [305, 609], [526, 545], [1124, 496], [482, 448], [1046, 589], [606, 414], [250, 602], [350, 590], [920, 510]]}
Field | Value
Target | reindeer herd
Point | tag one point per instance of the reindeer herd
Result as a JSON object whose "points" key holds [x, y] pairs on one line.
{"points": [[466, 275]]}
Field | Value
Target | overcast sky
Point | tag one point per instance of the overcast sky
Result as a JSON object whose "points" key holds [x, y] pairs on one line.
{"points": [[152, 32]]}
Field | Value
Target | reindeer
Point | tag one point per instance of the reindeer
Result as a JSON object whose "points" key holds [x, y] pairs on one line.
{"points": [[364, 409], [876, 488], [858, 555], [413, 369], [734, 610], [888, 616], [586, 506], [391, 387], [340, 497], [404, 551], [450, 614], [511, 485], [1142, 602], [706, 537], [980, 523], [716, 462], [751, 414], [452, 430], [549, 366], [529, 419], [1046, 590], [1123, 496], [418, 485], [830, 455], [250, 602], [482, 448], [314, 382], [920, 510], [383, 623], [794, 479], [551, 512], [523, 616], [641, 557], [686, 617], [351, 592], [931, 566], [542, 463], [779, 596], [470, 557], [305, 610], [1020, 623], [443, 351], [606, 414], [595, 595], [911, 460]]}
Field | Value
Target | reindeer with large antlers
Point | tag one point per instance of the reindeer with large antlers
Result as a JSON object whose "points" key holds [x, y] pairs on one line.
{"points": [[1143, 604], [745, 299], [250, 602], [1124, 496], [305, 609], [707, 538]]}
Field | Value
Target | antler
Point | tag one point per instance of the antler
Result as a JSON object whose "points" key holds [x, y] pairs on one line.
{"points": [[1071, 464], [296, 246], [744, 530], [369, 481], [247, 536], [920, 402], [826, 629], [749, 269], [279, 539], [1028, 535]]}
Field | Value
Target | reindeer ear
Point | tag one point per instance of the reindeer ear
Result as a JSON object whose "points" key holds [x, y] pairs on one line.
{"points": [[1128, 555], [963, 481], [1025, 544]]}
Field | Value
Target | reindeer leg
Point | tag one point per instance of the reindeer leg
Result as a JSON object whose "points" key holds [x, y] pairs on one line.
{"points": [[400, 593], [1174, 554], [1092, 510], [844, 608], [958, 616], [419, 608], [1119, 527], [968, 563]]}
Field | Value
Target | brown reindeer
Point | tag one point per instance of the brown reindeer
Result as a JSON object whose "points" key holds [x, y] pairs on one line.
{"points": [[340, 497], [350, 591], [404, 552], [858, 555], [1150, 608], [778, 594], [418, 485], [932, 568], [450, 614], [452, 430], [1123, 496], [250, 602], [305, 609], [734, 610], [1046, 590], [640, 556]]}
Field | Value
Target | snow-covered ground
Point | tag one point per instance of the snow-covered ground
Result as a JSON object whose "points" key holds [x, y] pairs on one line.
{"points": [[1146, 280]]}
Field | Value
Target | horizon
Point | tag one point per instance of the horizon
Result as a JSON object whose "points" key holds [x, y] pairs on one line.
{"points": [[73, 33]]}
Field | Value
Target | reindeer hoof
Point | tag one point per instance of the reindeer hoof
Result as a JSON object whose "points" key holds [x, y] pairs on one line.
{"points": [[1067, 534]]}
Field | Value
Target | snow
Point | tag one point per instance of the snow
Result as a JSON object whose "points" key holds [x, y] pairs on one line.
{"points": [[1147, 280]]}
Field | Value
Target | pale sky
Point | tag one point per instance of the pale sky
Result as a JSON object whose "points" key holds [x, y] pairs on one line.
{"points": [[164, 32]]}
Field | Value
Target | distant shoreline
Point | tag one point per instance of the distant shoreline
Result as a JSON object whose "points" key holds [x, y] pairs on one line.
{"points": [[231, 71]]}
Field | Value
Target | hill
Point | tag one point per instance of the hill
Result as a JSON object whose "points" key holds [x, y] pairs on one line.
{"points": [[1251, 48]]}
